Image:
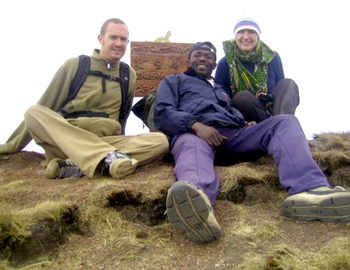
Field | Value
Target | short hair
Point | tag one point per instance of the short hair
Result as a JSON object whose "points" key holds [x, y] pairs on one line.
{"points": [[106, 23]]}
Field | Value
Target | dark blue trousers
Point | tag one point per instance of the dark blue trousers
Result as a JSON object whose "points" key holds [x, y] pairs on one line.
{"points": [[285, 101], [280, 136]]}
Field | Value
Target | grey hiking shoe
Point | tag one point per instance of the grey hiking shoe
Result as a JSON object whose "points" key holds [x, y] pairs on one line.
{"points": [[323, 204], [119, 164], [190, 210], [59, 168]]}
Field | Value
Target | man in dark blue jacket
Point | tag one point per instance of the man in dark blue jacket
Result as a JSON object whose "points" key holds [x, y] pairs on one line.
{"points": [[196, 114]]}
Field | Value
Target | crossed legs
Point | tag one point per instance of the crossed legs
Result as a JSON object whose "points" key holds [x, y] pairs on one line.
{"points": [[62, 140]]}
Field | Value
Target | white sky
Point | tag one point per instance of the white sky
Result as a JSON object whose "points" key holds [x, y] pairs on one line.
{"points": [[312, 38]]}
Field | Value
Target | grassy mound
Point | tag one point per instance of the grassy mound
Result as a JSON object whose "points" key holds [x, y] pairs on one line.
{"points": [[103, 223]]}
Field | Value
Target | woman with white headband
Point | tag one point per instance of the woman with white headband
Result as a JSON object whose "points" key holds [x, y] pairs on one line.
{"points": [[253, 75]]}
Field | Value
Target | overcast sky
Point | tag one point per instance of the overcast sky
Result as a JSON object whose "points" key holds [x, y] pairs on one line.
{"points": [[312, 38]]}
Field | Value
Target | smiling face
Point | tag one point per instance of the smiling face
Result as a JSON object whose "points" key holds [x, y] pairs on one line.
{"points": [[202, 62], [247, 40], [114, 42]]}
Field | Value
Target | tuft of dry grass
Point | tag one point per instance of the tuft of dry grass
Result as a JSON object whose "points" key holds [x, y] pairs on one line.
{"points": [[22, 221], [12, 186], [247, 173], [280, 257], [251, 230], [331, 151], [5, 266], [102, 219], [34, 234], [18, 224], [329, 141], [334, 255]]}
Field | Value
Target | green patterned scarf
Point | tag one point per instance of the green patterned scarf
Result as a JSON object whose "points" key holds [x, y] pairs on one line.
{"points": [[241, 78]]}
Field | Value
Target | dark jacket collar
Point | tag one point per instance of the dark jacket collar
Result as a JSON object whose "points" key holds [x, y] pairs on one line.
{"points": [[190, 72]]}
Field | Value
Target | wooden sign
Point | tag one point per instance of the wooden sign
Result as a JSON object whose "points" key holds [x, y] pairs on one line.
{"points": [[153, 61]]}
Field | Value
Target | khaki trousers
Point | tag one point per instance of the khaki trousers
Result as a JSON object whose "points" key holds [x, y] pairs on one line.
{"points": [[61, 139]]}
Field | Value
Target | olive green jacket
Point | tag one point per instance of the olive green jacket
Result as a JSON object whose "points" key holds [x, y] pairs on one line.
{"points": [[89, 98]]}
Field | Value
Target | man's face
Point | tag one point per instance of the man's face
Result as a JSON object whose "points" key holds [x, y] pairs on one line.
{"points": [[114, 42], [246, 40], [202, 62]]}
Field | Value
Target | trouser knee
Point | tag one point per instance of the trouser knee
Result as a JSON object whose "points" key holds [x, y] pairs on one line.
{"points": [[149, 146], [188, 140], [191, 145], [242, 97], [286, 120], [31, 113], [162, 143], [289, 82], [287, 87]]}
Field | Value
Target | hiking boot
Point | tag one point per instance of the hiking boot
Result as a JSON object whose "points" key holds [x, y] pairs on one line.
{"points": [[190, 210], [119, 164], [322, 203], [59, 168]]}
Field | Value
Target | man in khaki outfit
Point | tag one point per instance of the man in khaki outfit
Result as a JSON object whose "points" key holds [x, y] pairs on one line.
{"points": [[86, 136]]}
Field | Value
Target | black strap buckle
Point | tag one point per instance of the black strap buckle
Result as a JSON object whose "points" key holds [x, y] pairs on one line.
{"points": [[112, 78]]}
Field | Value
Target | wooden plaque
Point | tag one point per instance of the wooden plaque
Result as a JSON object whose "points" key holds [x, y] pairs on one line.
{"points": [[153, 61]]}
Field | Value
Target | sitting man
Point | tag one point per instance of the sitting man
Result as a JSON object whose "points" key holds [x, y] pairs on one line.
{"points": [[85, 135], [196, 114]]}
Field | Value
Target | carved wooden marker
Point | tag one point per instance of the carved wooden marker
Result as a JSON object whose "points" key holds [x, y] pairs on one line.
{"points": [[155, 60]]}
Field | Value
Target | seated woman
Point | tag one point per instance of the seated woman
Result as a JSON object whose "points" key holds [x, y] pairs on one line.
{"points": [[253, 75]]}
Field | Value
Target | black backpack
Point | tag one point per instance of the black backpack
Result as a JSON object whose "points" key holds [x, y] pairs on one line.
{"points": [[82, 72], [144, 108]]}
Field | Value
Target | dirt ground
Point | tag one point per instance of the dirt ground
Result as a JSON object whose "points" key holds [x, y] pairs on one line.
{"points": [[120, 224]]}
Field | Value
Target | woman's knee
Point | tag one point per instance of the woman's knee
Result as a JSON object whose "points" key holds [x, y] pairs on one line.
{"points": [[243, 97], [286, 85], [289, 81]]}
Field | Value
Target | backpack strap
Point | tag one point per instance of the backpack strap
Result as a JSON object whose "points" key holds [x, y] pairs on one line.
{"points": [[104, 78], [124, 75], [78, 80], [80, 76], [84, 70]]}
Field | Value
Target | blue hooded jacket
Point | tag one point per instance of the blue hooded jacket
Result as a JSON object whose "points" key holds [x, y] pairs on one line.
{"points": [[184, 99]]}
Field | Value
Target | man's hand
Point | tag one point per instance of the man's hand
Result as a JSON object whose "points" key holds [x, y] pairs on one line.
{"points": [[209, 134]]}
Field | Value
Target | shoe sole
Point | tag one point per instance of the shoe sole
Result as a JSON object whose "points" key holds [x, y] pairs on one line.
{"points": [[122, 167], [327, 208], [189, 212]]}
